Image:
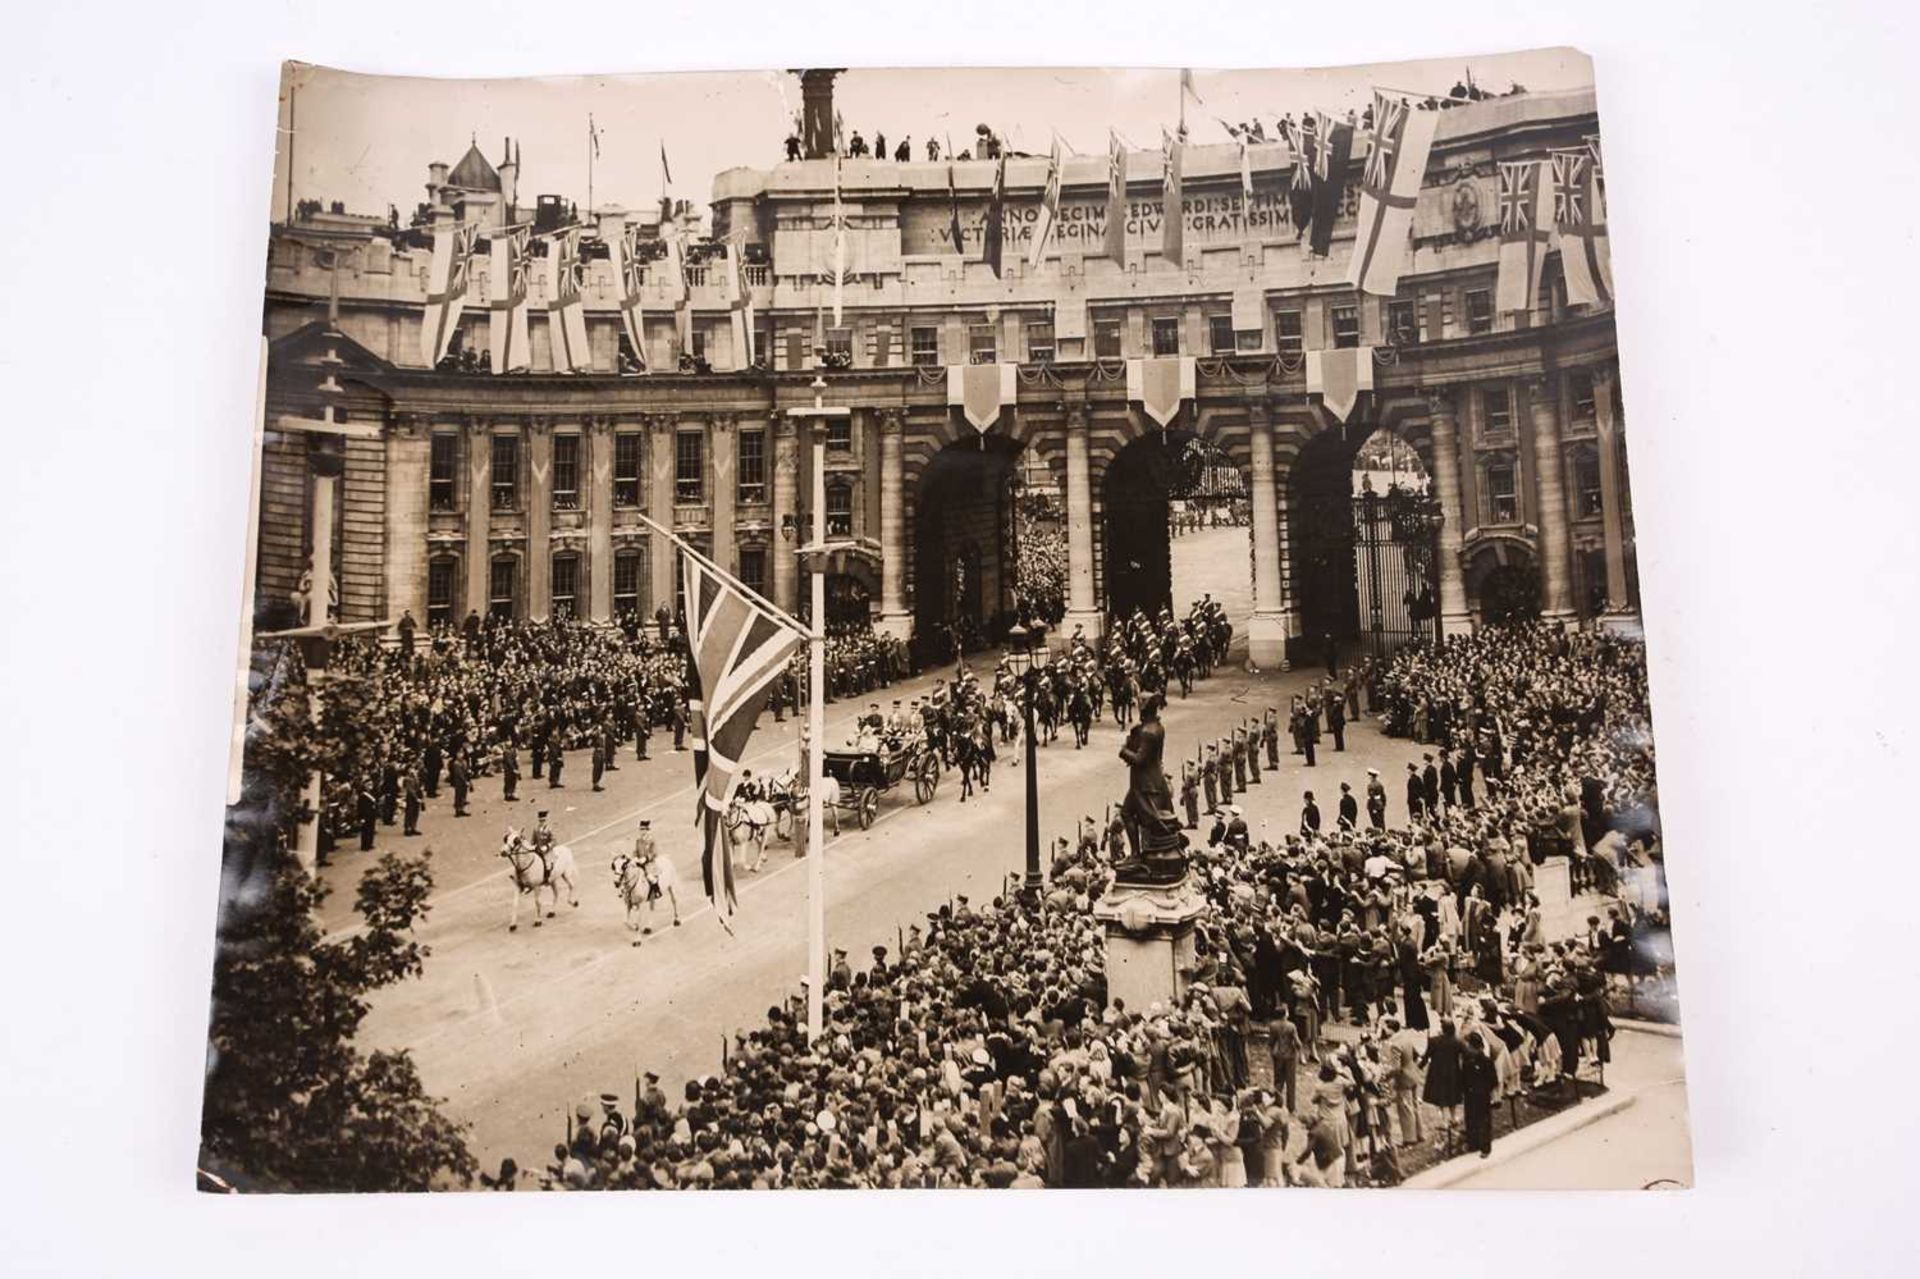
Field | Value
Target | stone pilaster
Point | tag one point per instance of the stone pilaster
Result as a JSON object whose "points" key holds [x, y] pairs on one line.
{"points": [[1608, 428], [597, 435], [1083, 609], [1267, 630], [786, 479], [1455, 618], [895, 620], [479, 514], [723, 443], [660, 428], [539, 508], [1550, 490], [409, 459]]}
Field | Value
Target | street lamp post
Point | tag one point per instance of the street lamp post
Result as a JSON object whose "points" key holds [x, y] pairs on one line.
{"points": [[1025, 640]]}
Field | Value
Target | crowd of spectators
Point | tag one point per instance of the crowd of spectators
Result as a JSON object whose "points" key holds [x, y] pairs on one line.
{"points": [[1357, 997]]}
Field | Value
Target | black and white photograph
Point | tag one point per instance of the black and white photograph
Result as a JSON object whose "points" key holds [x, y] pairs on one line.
{"points": [[667, 533]]}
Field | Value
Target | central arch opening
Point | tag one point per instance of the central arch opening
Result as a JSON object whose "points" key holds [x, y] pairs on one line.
{"points": [[1176, 527], [964, 574]]}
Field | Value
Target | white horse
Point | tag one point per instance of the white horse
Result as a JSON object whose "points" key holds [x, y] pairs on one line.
{"points": [[795, 788], [750, 821], [643, 883], [534, 871]]}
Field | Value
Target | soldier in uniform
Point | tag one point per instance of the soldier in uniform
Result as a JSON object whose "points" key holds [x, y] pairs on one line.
{"points": [[509, 769], [1189, 793], [1337, 717], [410, 792], [1240, 760], [369, 813], [1252, 736], [541, 839], [556, 758], [1270, 735], [1349, 808], [1209, 778], [457, 778], [1309, 816], [1376, 800]]}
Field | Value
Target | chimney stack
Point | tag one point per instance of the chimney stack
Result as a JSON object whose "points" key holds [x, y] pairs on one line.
{"points": [[816, 112]]}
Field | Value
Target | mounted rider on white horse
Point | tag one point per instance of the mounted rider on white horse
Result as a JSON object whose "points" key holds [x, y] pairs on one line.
{"points": [[643, 877], [536, 864]]}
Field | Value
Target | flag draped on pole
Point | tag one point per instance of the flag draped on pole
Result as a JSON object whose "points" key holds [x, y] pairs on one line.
{"points": [[1116, 200], [631, 274], [1577, 221], [740, 303], [666, 173], [1246, 176], [1524, 213], [566, 309], [996, 226], [1300, 190], [446, 292], [739, 649], [839, 248], [953, 208], [507, 323], [1396, 162], [1049, 209], [1332, 152], [1172, 211], [675, 269]]}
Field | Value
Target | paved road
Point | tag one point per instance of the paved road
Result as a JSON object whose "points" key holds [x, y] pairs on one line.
{"points": [[513, 1028]]}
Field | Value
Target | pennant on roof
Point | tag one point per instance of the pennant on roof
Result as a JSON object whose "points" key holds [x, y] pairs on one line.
{"points": [[1338, 376], [510, 276], [954, 230], [1246, 175], [1331, 153], [1160, 385], [996, 226], [739, 649], [1172, 208], [1049, 209], [1585, 258], [1116, 200], [446, 292], [1396, 162], [631, 273], [981, 391], [1524, 218], [566, 307]]}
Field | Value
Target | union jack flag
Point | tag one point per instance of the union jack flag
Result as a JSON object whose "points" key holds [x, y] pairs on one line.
{"points": [[1322, 155], [1388, 114], [1516, 199], [1569, 189], [739, 648], [519, 266]]}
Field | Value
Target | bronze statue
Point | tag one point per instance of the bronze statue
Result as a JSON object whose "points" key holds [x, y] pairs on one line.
{"points": [[1153, 830]]}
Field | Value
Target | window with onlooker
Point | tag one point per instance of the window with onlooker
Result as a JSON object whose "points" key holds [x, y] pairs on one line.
{"points": [[626, 468], [1586, 482], [983, 346], [1479, 311], [1166, 335], [442, 571], [1345, 322], [840, 346], [840, 509], [1106, 337], [626, 581], [1403, 323], [925, 340], [1220, 339], [1580, 394], [689, 467], [752, 470], [1039, 341], [566, 472], [1503, 492], [566, 585], [443, 483], [506, 472]]}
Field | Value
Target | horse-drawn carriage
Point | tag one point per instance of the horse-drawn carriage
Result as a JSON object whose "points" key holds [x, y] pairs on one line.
{"points": [[864, 775]]}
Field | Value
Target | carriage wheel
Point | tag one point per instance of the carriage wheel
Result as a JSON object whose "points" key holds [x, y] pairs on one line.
{"points": [[869, 806], [926, 780]]}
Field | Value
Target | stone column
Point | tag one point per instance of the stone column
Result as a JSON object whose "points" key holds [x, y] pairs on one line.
{"points": [[1267, 631], [1550, 490], [895, 620], [539, 499], [1611, 520], [409, 459], [1455, 617], [1082, 608], [660, 509], [479, 514], [786, 477], [722, 465], [599, 440]]}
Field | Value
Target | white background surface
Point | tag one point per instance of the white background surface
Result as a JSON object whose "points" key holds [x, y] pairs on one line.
{"points": [[1761, 172]]}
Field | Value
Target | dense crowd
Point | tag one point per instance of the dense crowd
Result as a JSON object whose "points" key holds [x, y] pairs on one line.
{"points": [[986, 1052]]}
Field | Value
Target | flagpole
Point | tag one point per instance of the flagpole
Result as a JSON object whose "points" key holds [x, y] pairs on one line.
{"points": [[817, 732]]}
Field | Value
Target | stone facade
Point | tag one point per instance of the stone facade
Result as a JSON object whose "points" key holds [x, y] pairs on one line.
{"points": [[525, 493]]}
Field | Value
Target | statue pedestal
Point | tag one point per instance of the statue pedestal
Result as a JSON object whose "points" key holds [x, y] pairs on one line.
{"points": [[1149, 940]]}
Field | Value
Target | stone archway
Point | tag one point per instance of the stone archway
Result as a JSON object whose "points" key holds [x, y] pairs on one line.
{"points": [[1503, 581], [964, 576], [1137, 490]]}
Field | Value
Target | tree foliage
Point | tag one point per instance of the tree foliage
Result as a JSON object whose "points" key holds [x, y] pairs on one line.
{"points": [[291, 1103]]}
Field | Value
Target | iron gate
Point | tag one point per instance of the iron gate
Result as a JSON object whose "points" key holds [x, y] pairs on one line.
{"points": [[1396, 548]]}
